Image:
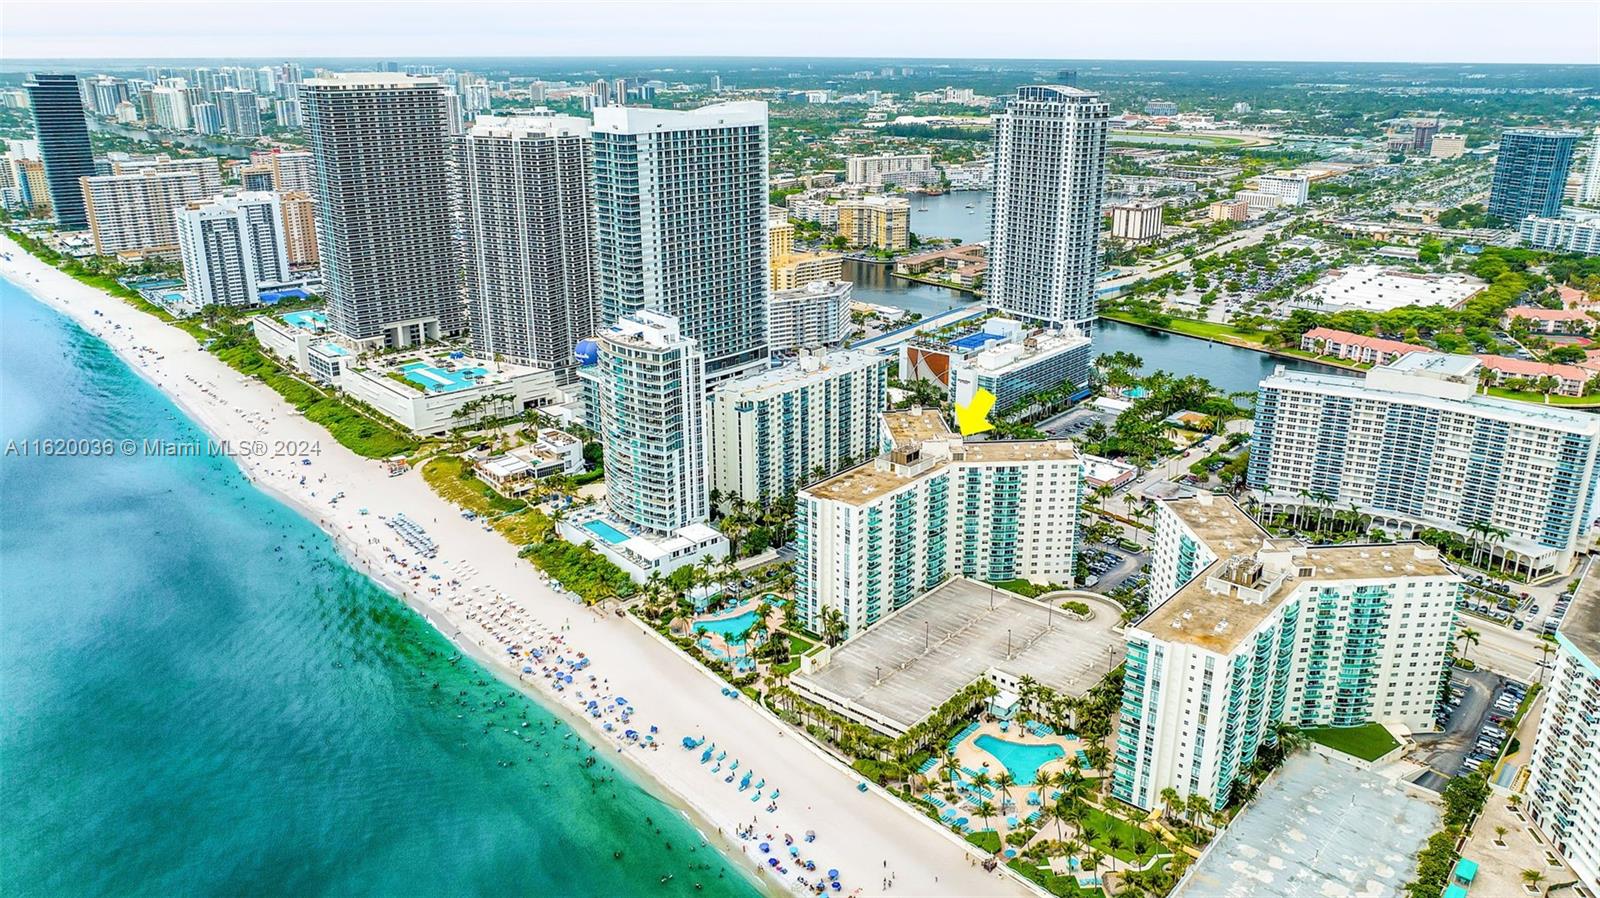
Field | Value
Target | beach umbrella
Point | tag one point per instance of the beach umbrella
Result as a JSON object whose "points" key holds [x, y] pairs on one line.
{"points": [[833, 874], [765, 847]]}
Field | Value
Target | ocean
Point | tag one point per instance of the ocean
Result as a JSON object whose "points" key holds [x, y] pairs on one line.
{"points": [[199, 695]]}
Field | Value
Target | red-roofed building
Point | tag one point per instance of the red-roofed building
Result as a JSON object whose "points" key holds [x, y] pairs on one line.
{"points": [[1573, 298], [1571, 378], [1355, 347], [1549, 321]]}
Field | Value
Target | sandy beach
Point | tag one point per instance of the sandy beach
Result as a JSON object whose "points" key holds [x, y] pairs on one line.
{"points": [[478, 593]]}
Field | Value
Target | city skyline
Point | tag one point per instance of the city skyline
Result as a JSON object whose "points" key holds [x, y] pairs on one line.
{"points": [[1461, 32]]}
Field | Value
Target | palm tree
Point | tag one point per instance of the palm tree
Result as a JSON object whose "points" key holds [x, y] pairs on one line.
{"points": [[1095, 859], [1060, 813], [985, 810], [1547, 645], [833, 626], [1198, 807], [1169, 800], [1115, 842], [1468, 636], [1004, 781], [1531, 879], [981, 781], [1500, 836]]}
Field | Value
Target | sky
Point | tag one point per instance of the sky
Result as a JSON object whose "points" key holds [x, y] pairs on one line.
{"points": [[1477, 31]]}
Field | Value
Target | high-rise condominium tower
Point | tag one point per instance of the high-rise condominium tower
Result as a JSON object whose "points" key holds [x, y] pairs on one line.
{"points": [[682, 203], [384, 229], [63, 143], [653, 424], [231, 245], [1049, 179], [1530, 173], [528, 205]]}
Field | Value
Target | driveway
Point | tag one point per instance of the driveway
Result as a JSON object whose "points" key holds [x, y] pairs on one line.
{"points": [[1445, 751]]}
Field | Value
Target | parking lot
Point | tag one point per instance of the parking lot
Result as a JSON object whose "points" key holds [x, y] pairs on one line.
{"points": [[1109, 567], [1475, 714], [1074, 422], [1518, 606]]}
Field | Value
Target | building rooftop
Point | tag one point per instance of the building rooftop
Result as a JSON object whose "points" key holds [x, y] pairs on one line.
{"points": [[861, 484], [808, 368], [1310, 830], [1437, 366], [996, 360], [915, 659], [1016, 450], [1581, 625], [637, 120], [917, 425], [1265, 568], [1375, 288], [357, 80]]}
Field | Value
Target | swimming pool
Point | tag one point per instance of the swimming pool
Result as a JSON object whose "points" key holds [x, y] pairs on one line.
{"points": [[728, 627], [310, 320], [606, 532], [437, 380], [1022, 760]]}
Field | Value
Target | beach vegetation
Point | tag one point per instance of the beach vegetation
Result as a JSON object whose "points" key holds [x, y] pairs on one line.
{"points": [[987, 840], [580, 569]]}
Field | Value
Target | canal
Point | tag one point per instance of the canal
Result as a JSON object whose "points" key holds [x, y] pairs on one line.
{"points": [[192, 141], [1230, 368]]}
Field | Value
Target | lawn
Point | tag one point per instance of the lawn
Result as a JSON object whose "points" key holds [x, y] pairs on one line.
{"points": [[1539, 398], [1099, 825], [988, 840], [1191, 327], [1061, 886], [797, 647], [1368, 742]]}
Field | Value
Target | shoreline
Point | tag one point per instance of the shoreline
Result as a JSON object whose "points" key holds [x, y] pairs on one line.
{"points": [[493, 591]]}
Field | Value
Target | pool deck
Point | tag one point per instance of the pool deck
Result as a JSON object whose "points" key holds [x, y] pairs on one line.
{"points": [[969, 755]]}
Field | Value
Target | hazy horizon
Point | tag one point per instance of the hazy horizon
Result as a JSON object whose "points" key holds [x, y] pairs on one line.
{"points": [[1447, 32]]}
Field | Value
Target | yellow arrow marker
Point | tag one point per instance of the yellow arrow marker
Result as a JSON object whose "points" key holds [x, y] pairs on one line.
{"points": [[973, 418]]}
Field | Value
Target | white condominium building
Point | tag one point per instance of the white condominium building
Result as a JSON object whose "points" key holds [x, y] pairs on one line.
{"points": [[816, 314], [1412, 444], [773, 431], [1291, 189], [1564, 774], [1574, 231], [652, 423], [682, 224], [293, 170], [205, 167], [134, 213], [1049, 181], [872, 539], [384, 204], [528, 207], [231, 246], [869, 170], [1589, 191], [1022, 370], [1266, 631]]}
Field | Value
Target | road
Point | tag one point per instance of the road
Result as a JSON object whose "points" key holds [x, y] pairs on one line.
{"points": [[1514, 653], [1238, 240], [1445, 751]]}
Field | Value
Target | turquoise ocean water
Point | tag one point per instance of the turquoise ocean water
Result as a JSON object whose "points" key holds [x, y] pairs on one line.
{"points": [[198, 696]]}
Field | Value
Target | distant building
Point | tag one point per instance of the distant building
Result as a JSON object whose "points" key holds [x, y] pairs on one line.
{"points": [[869, 170], [1448, 146], [1138, 221], [1572, 232], [798, 270], [255, 177], [1530, 173], [385, 208], [240, 116], [1568, 380], [1589, 192], [825, 214], [1160, 108], [816, 313], [134, 213], [232, 246], [773, 431], [204, 167], [527, 203], [1050, 161], [299, 228], [1229, 210], [293, 170], [682, 210], [1294, 189], [1374, 288], [880, 222], [1020, 370], [1362, 348], [1422, 134], [978, 175], [1549, 321], [63, 134], [1415, 446]]}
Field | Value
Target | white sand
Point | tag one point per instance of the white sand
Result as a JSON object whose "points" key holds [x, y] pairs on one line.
{"points": [[865, 836]]}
